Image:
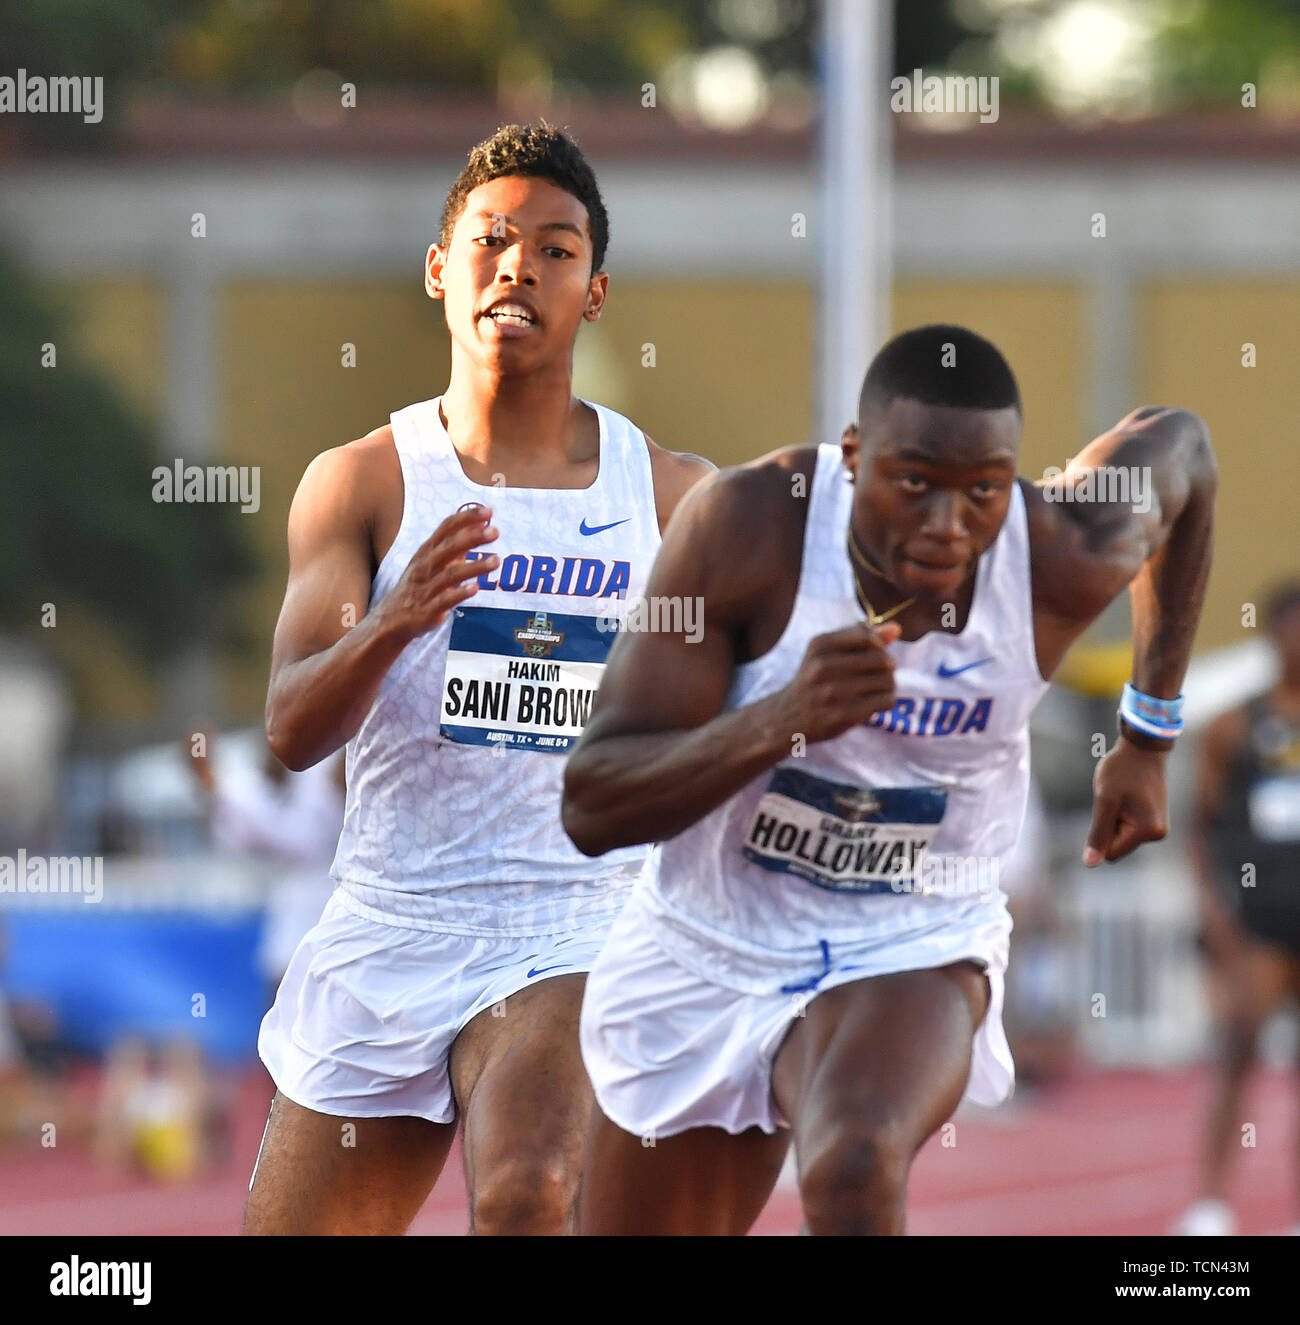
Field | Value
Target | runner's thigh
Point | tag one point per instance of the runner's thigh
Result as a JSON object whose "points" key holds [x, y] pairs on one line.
{"points": [[317, 1173]]}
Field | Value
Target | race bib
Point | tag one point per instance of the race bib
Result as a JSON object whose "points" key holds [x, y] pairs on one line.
{"points": [[521, 680], [1275, 808], [843, 837]]}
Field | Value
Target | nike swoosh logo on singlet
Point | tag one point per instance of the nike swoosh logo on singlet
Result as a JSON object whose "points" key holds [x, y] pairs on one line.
{"points": [[600, 528], [541, 970], [956, 671]]}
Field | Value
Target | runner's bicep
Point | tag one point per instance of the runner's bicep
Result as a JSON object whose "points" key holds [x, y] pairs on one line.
{"points": [[1131, 483], [663, 680], [328, 589], [672, 664]]}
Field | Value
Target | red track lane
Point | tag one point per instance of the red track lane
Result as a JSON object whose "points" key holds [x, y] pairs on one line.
{"points": [[1106, 1153]]}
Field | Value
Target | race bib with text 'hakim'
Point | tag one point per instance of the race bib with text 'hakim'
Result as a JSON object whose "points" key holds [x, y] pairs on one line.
{"points": [[521, 680], [844, 837]]}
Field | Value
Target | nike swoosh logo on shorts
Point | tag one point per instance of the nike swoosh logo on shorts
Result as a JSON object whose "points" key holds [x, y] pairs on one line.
{"points": [[600, 528], [957, 671], [541, 970]]}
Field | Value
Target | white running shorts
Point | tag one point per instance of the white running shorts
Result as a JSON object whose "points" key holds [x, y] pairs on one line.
{"points": [[668, 1049], [364, 1020]]}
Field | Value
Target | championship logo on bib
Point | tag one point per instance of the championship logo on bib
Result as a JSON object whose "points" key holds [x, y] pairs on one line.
{"points": [[523, 680], [843, 837]]}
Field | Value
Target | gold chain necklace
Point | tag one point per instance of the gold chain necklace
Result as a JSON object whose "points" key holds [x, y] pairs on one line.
{"points": [[874, 618]]}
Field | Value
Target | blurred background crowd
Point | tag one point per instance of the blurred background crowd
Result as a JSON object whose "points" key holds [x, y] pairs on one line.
{"points": [[226, 270]]}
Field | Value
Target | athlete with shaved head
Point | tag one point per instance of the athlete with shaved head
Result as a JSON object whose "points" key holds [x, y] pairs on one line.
{"points": [[836, 771]]}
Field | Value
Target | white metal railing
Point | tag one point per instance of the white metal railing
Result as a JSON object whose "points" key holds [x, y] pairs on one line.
{"points": [[1138, 976]]}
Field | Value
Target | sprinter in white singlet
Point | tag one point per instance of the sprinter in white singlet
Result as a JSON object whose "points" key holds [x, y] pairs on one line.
{"points": [[838, 770], [456, 579]]}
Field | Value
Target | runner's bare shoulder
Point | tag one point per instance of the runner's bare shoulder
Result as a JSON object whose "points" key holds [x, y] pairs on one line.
{"points": [[352, 490], [747, 524], [674, 473]]}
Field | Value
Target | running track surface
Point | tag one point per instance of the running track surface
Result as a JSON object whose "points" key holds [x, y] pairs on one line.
{"points": [[1106, 1153]]}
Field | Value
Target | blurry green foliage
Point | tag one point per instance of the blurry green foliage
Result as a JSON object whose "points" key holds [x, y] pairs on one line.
{"points": [[1216, 47], [77, 518]]}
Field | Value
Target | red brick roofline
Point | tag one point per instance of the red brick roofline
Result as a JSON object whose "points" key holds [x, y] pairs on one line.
{"points": [[405, 127]]}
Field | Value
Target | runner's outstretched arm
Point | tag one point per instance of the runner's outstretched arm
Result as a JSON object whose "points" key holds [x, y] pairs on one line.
{"points": [[1160, 546]]}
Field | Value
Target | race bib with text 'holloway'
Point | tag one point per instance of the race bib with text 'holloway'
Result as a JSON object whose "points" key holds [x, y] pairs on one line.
{"points": [[843, 837]]}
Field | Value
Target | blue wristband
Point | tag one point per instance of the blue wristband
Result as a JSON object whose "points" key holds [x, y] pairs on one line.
{"points": [[1156, 717]]}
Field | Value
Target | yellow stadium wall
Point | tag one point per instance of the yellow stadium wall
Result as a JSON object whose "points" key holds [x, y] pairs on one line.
{"points": [[1191, 337], [118, 327]]}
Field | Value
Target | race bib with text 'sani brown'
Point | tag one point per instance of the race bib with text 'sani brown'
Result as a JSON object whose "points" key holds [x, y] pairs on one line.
{"points": [[844, 837], [522, 680]]}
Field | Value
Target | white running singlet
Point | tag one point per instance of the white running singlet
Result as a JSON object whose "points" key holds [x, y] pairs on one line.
{"points": [[894, 830], [455, 776]]}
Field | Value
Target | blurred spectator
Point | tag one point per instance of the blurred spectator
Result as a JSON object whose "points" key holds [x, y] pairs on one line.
{"points": [[157, 1115], [15, 1086], [33, 1065], [35, 715], [293, 818]]}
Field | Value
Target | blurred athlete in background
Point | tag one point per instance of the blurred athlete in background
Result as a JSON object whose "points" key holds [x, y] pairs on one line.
{"points": [[1246, 855]]}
